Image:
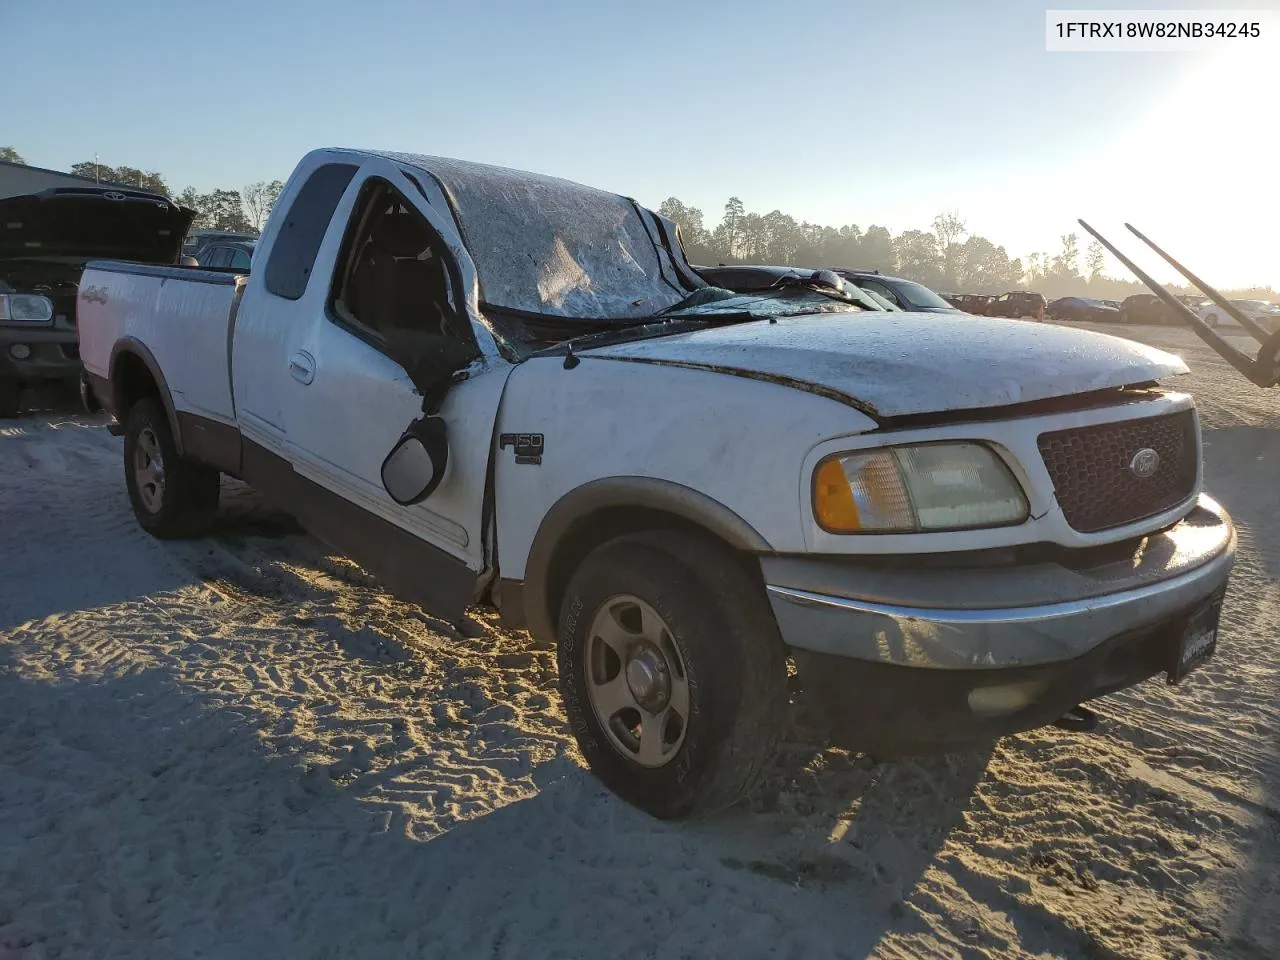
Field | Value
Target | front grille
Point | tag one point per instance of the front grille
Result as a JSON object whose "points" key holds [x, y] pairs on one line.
{"points": [[1092, 478]]}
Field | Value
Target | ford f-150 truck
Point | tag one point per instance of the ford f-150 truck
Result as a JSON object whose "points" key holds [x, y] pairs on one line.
{"points": [[493, 386]]}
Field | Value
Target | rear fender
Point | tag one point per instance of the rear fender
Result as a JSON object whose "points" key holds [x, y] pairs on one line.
{"points": [[130, 350]]}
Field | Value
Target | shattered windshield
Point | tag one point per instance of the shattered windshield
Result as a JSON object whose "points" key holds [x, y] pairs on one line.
{"points": [[555, 248]]}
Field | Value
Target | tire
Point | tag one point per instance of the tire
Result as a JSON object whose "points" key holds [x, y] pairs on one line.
{"points": [[1211, 319], [10, 397], [718, 634], [180, 498]]}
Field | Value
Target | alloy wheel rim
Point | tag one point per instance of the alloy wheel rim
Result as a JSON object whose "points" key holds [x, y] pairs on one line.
{"points": [[148, 470], [636, 681]]}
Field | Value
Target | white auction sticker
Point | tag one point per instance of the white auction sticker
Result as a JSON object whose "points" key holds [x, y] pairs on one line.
{"points": [[1160, 31]]}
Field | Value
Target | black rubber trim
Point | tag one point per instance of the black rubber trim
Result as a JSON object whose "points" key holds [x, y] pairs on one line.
{"points": [[167, 272], [134, 346], [211, 442]]}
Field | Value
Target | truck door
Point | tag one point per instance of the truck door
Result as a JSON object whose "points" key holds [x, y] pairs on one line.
{"points": [[339, 402]]}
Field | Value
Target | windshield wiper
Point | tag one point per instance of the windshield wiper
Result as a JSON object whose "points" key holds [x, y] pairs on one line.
{"points": [[700, 297], [660, 327]]}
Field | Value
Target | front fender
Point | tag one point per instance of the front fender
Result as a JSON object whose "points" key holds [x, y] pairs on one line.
{"points": [[613, 493]]}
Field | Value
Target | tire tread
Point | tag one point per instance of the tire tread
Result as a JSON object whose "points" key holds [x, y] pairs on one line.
{"points": [[191, 490]]}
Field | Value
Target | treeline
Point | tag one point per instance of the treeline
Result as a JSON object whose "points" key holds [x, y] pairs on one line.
{"points": [[946, 257]]}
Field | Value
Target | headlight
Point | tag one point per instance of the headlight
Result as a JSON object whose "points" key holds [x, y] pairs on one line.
{"points": [[932, 486], [25, 308]]}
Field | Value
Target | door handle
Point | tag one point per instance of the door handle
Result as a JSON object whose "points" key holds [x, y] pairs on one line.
{"points": [[302, 367]]}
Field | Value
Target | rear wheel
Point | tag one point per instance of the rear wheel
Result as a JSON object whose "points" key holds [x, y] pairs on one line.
{"points": [[672, 672], [172, 498], [10, 397]]}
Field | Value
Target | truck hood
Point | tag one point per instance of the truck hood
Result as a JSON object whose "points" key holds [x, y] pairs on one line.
{"points": [[92, 223], [899, 364]]}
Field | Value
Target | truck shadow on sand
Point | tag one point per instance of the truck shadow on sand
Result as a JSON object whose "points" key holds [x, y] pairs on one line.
{"points": [[139, 813], [1242, 470], [1242, 467]]}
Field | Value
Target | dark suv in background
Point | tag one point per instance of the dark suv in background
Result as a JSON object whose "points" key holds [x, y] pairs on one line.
{"points": [[975, 303], [1017, 303], [46, 238], [229, 254], [1148, 308], [199, 240]]}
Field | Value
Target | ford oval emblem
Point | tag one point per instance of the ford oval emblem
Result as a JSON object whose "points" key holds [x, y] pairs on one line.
{"points": [[113, 195], [1145, 463]]}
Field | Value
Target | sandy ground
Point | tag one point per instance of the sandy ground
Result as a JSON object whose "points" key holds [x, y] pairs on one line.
{"points": [[242, 747]]}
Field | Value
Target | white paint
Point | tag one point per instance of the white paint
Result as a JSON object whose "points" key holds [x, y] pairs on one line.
{"points": [[183, 323], [907, 363], [338, 428], [742, 443]]}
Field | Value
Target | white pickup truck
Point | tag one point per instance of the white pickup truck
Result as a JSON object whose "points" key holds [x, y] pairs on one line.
{"points": [[486, 385]]}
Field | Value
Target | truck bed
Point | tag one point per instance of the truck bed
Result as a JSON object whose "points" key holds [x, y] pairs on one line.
{"points": [[184, 316]]}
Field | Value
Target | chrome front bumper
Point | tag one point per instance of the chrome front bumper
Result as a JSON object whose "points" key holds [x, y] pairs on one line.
{"points": [[965, 618]]}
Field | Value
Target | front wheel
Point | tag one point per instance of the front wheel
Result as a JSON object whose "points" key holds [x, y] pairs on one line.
{"points": [[172, 498], [672, 672]]}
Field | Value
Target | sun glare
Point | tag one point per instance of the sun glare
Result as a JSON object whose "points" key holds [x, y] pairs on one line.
{"points": [[1198, 174]]}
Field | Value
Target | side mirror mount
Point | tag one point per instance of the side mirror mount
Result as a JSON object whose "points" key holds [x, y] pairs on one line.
{"points": [[431, 360], [416, 464]]}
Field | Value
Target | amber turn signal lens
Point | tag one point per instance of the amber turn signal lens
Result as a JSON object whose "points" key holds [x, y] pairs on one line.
{"points": [[833, 499]]}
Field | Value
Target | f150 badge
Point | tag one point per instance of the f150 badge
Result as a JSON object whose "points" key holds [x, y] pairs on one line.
{"points": [[528, 446]]}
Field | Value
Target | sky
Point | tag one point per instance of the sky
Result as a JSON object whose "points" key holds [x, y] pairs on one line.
{"points": [[834, 111]]}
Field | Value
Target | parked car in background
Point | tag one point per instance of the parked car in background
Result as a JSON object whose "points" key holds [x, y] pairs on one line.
{"points": [[1146, 308], [677, 487], [975, 303], [1017, 304], [905, 294], [1263, 311], [1082, 308], [45, 240], [754, 278], [197, 240], [227, 254]]}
